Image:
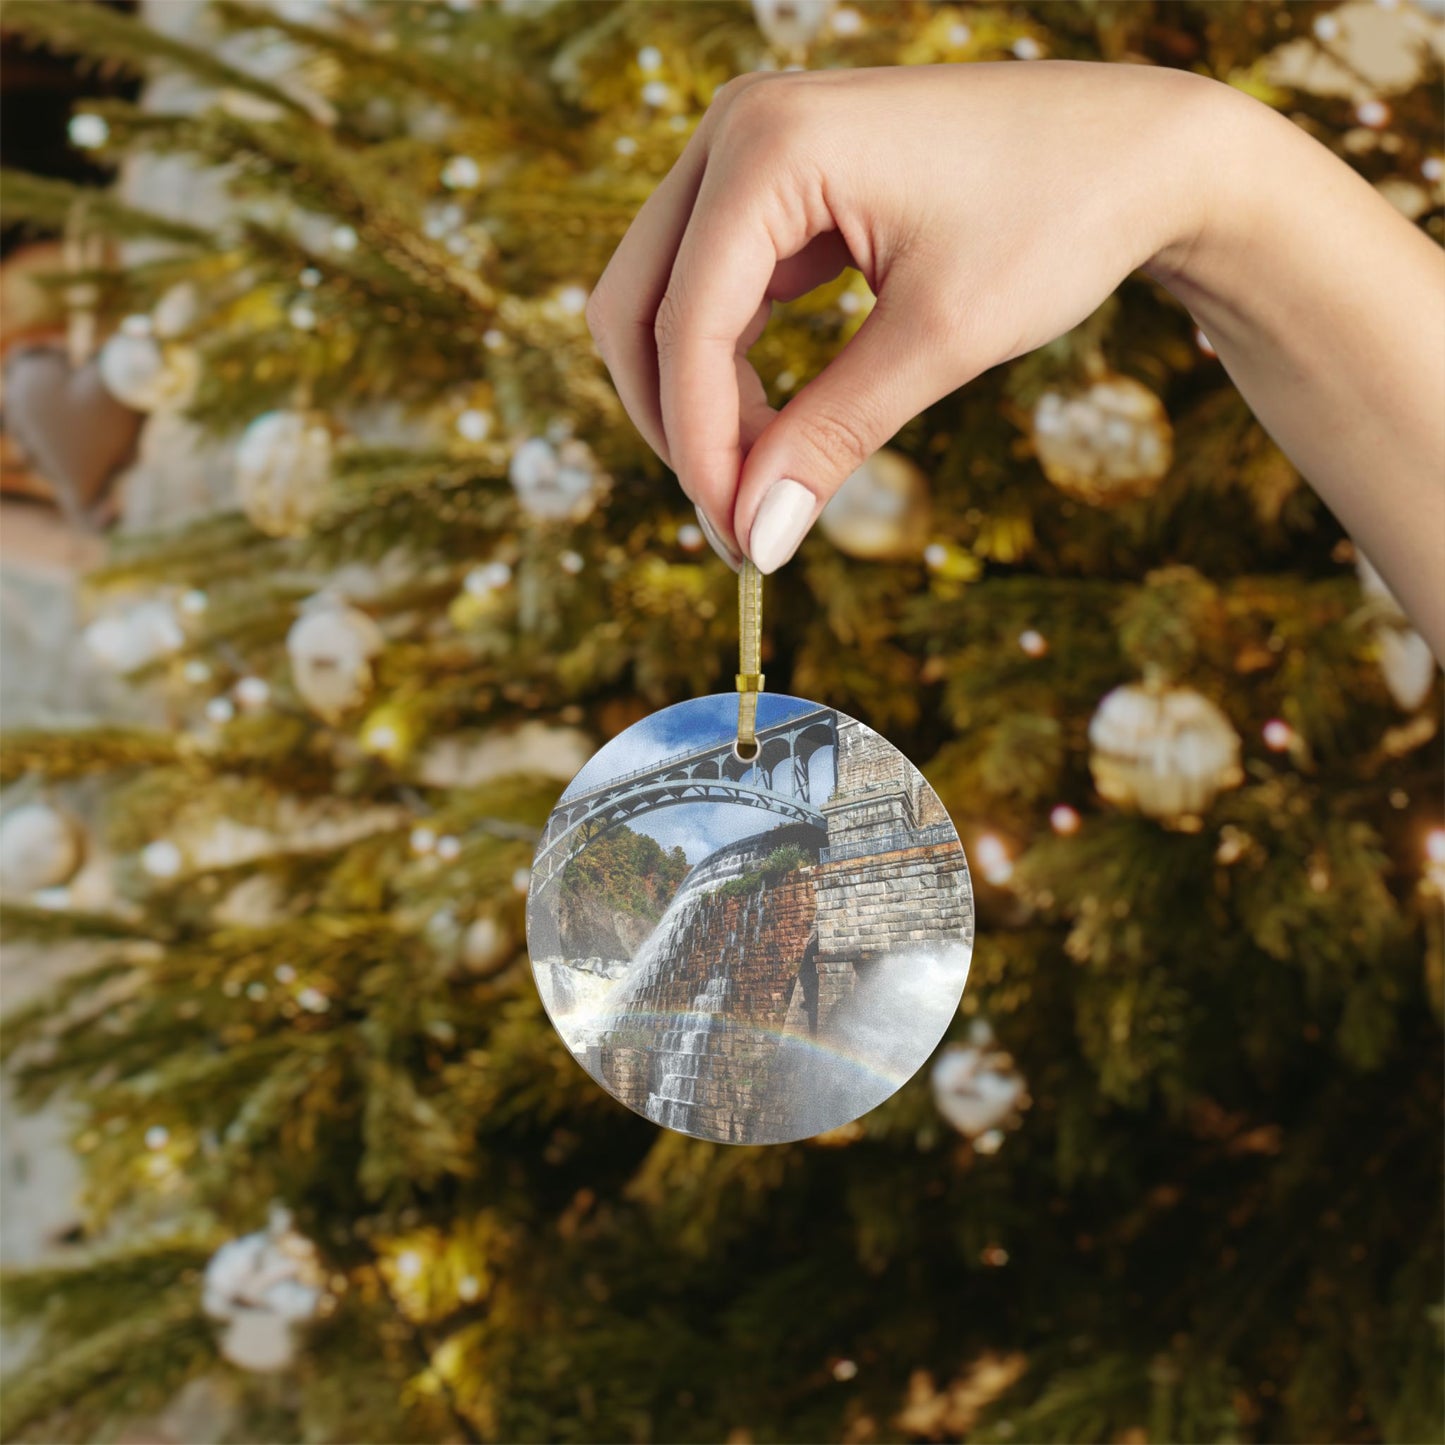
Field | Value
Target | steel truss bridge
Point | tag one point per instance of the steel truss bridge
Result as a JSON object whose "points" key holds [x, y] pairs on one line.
{"points": [[774, 780]]}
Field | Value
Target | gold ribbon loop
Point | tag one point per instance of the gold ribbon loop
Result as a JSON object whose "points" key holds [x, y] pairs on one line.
{"points": [[750, 656]]}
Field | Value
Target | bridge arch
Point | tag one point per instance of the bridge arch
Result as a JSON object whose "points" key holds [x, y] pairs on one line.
{"points": [[776, 780]]}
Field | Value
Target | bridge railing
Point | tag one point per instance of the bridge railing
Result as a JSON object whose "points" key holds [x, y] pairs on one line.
{"points": [[664, 765], [890, 843]]}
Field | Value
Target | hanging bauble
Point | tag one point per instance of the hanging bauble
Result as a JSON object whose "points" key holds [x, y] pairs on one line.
{"points": [[792, 25], [262, 1286], [40, 847], [1107, 443], [1405, 658], [881, 512], [486, 945], [976, 1086], [283, 470], [140, 372], [1164, 751], [63, 418], [555, 482], [136, 636], [331, 647], [750, 974]]}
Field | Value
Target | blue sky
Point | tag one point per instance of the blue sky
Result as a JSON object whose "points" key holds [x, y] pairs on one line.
{"points": [[698, 723]]}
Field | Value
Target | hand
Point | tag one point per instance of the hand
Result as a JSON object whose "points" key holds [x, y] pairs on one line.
{"points": [[990, 208]]}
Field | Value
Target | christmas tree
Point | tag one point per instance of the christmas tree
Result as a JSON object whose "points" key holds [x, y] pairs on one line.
{"points": [[337, 1158]]}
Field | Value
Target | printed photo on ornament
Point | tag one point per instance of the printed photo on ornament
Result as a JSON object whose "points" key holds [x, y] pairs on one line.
{"points": [[750, 950]]}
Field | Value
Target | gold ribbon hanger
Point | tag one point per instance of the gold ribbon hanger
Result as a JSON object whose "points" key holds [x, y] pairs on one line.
{"points": [[750, 658]]}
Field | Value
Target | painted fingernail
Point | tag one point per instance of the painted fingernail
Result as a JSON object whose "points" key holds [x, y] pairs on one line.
{"points": [[716, 542], [782, 522]]}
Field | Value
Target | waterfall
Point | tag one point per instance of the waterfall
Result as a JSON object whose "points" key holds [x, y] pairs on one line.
{"points": [[682, 1054]]}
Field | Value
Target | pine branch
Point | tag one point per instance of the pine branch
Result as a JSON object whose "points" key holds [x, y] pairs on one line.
{"points": [[82, 752], [51, 204], [116, 40]]}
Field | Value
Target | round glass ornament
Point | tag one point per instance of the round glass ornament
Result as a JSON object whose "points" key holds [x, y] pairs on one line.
{"points": [[750, 949]]}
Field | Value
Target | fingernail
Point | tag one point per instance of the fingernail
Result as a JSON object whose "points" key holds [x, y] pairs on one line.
{"points": [[781, 524], [716, 542]]}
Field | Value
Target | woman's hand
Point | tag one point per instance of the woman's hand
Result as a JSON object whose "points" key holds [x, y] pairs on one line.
{"points": [[991, 208]]}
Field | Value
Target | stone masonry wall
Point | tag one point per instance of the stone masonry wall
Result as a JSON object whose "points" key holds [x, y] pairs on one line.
{"points": [[899, 899], [892, 903]]}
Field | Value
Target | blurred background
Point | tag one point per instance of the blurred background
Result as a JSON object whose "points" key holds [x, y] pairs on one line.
{"points": [[329, 556]]}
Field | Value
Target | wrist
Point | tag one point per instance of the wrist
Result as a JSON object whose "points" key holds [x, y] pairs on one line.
{"points": [[1221, 145]]}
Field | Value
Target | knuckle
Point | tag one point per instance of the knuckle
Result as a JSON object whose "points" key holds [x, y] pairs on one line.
{"points": [[840, 441], [598, 318], [667, 325], [767, 113]]}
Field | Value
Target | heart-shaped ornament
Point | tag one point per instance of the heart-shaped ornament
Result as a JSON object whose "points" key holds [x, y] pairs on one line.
{"points": [[74, 431]]}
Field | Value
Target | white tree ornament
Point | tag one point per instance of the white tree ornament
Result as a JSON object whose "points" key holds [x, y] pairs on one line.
{"points": [[792, 25], [261, 1287], [1164, 751], [142, 373], [283, 470], [40, 847], [331, 647], [555, 482], [881, 512], [1108, 443], [136, 636], [976, 1086], [1405, 658]]}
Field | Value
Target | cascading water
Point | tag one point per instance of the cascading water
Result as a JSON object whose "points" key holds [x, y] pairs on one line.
{"points": [[683, 1054]]}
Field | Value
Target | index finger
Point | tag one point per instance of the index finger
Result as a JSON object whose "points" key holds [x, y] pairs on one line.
{"points": [[719, 285]]}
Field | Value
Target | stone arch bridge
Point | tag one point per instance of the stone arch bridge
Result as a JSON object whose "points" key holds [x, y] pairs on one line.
{"points": [[776, 780]]}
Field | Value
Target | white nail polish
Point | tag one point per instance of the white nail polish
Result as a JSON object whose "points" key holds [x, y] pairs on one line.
{"points": [[787, 511], [716, 542]]}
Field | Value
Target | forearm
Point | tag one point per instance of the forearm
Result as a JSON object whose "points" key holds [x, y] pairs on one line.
{"points": [[1327, 309]]}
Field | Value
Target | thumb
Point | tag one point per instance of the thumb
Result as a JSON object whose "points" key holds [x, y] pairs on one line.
{"points": [[901, 360]]}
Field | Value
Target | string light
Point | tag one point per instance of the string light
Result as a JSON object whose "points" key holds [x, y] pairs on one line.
{"points": [[993, 859], [313, 1000], [87, 131], [161, 859], [461, 173], [449, 849], [1065, 820], [253, 692], [1278, 735], [489, 577], [649, 58], [1435, 858], [522, 880], [157, 1136], [423, 840], [845, 1370], [1373, 113], [380, 738], [689, 537], [1033, 642], [474, 425], [408, 1264]]}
